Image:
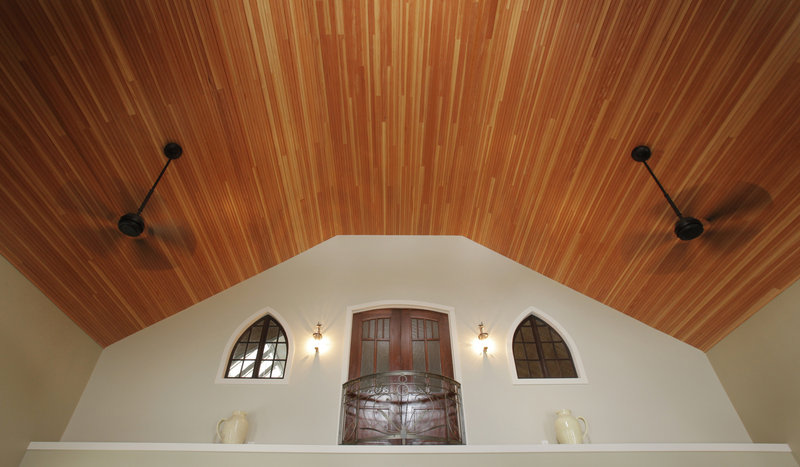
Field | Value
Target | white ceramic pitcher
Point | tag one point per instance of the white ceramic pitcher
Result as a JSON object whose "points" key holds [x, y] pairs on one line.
{"points": [[568, 429], [234, 430]]}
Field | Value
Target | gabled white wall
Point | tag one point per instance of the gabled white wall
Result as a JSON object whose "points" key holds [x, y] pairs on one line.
{"points": [[757, 364], [45, 362], [643, 386]]}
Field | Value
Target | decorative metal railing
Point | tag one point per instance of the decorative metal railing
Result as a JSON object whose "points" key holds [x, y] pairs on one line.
{"points": [[401, 407]]}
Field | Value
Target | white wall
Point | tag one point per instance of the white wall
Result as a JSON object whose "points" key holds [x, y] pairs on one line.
{"points": [[45, 362], [757, 364], [643, 386]]}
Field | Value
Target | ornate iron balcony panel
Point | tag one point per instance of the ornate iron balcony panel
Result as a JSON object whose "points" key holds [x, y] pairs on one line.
{"points": [[401, 407]]}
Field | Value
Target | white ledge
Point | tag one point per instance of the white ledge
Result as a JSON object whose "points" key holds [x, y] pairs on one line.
{"points": [[338, 449]]}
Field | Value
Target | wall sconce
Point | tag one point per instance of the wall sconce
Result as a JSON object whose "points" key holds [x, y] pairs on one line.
{"points": [[317, 337], [483, 338]]}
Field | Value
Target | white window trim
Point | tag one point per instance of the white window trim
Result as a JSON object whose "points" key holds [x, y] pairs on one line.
{"points": [[223, 364], [573, 349]]}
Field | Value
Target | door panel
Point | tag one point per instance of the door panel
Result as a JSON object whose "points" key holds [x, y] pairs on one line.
{"points": [[404, 403], [400, 339]]}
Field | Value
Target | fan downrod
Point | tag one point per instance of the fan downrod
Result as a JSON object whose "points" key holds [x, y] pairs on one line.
{"points": [[686, 228], [132, 223]]}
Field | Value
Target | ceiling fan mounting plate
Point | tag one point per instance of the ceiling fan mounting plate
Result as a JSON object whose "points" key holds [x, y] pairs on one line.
{"points": [[173, 150], [641, 153]]}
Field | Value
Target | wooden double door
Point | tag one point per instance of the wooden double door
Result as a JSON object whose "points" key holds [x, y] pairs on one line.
{"points": [[400, 339]]}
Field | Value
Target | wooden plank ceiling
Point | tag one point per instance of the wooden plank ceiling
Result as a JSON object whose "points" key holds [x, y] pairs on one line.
{"points": [[509, 123]]}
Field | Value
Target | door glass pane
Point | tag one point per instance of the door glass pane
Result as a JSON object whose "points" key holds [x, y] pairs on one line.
{"points": [[428, 329], [418, 355], [367, 358], [383, 356], [435, 330], [386, 328], [414, 333], [434, 361]]}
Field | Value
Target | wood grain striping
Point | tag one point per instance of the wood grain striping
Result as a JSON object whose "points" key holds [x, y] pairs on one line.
{"points": [[510, 123]]}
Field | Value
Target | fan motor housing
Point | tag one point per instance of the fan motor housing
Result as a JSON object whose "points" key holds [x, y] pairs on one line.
{"points": [[131, 224], [688, 228]]}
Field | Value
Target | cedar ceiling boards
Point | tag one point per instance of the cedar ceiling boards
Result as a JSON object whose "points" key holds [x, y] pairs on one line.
{"points": [[510, 123]]}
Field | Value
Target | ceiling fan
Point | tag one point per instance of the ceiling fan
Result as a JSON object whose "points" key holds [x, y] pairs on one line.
{"points": [[149, 246], [132, 224], [148, 250], [742, 198], [686, 228]]}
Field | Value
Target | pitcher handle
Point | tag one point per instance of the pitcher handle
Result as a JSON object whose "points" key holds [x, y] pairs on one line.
{"points": [[586, 425], [220, 434]]}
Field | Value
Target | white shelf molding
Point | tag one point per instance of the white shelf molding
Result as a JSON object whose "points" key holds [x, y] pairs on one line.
{"points": [[337, 449]]}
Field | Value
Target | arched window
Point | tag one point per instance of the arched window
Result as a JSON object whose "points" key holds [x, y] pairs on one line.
{"points": [[540, 351], [260, 352]]}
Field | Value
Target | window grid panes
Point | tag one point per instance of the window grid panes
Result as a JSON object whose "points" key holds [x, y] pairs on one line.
{"points": [[374, 346], [540, 352], [425, 346], [260, 353]]}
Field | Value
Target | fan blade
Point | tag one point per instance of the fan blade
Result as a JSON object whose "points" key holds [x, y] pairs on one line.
{"points": [[728, 238], [149, 255], [676, 260], [76, 198], [640, 244], [127, 195], [99, 240], [175, 236], [744, 198]]}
